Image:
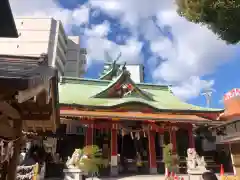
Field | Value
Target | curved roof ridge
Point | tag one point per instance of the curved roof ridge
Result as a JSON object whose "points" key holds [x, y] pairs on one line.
{"points": [[122, 75]]}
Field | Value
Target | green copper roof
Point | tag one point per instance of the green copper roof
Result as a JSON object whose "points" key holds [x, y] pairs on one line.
{"points": [[77, 91], [124, 77]]}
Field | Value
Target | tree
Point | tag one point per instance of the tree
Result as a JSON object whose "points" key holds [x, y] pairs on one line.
{"points": [[94, 160], [220, 16], [170, 160]]}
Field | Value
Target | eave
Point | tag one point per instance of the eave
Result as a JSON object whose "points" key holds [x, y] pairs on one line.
{"points": [[135, 116], [150, 108], [29, 86], [231, 138]]}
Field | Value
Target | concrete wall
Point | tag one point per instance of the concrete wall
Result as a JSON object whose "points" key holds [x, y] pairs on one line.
{"points": [[136, 72]]}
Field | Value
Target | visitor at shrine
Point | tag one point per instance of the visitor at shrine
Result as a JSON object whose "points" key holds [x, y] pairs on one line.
{"points": [[209, 176], [31, 159]]}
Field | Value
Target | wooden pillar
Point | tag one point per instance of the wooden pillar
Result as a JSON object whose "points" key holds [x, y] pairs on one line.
{"points": [[152, 152], [173, 140], [12, 166], [89, 135], [114, 157], [191, 141]]}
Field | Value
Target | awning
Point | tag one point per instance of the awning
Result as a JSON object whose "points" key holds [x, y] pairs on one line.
{"points": [[135, 116], [233, 138], [225, 123], [24, 78], [21, 72]]}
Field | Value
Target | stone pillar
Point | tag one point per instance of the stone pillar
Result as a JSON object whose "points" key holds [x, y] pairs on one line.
{"points": [[114, 157], [191, 141], [152, 153], [89, 136], [173, 140]]}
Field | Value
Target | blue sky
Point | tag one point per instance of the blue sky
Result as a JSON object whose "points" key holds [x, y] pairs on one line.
{"points": [[173, 51]]}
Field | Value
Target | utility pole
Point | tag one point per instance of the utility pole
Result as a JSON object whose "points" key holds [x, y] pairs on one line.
{"points": [[207, 93]]}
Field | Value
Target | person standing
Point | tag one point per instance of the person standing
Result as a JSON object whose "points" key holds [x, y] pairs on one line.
{"points": [[209, 176]]}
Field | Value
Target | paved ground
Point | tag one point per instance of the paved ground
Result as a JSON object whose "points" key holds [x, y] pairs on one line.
{"points": [[142, 177], [149, 177], [138, 177]]}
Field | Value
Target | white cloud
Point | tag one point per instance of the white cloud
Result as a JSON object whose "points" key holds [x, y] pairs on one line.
{"points": [[50, 8], [97, 46], [192, 87], [99, 30], [192, 52]]}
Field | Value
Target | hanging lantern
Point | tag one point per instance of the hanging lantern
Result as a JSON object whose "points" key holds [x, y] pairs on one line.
{"points": [[175, 128], [132, 135], [138, 136], [2, 148], [6, 151], [123, 133], [161, 137], [144, 134]]}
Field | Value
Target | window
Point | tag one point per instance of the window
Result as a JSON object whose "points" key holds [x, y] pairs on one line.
{"points": [[83, 51], [61, 55], [61, 42], [62, 32], [59, 65], [71, 66]]}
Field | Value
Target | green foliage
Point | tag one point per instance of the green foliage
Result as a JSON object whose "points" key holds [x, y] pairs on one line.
{"points": [[170, 160], [94, 162], [221, 16], [167, 155]]}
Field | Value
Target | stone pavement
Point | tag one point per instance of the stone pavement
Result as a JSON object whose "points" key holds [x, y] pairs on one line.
{"points": [[142, 177], [138, 177]]}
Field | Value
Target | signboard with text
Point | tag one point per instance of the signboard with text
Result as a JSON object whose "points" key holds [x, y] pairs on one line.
{"points": [[231, 94]]}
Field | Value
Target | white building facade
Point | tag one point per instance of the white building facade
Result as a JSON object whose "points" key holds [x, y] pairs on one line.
{"points": [[76, 58], [37, 36], [137, 72]]}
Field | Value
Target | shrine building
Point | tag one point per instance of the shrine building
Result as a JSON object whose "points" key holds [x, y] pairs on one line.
{"points": [[125, 118]]}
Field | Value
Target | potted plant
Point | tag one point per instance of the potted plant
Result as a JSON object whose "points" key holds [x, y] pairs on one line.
{"points": [[92, 160], [170, 160]]}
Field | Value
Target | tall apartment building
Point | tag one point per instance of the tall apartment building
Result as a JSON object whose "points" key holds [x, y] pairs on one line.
{"points": [[76, 58], [37, 36]]}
